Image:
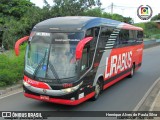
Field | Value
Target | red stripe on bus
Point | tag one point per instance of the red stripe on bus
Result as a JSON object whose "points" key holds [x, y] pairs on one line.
{"points": [[116, 80], [130, 27], [36, 83]]}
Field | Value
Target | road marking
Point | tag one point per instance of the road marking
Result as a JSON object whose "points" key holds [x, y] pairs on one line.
{"points": [[11, 94], [146, 95], [154, 102]]}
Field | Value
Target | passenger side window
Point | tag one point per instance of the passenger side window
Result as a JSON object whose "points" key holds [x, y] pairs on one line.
{"points": [[104, 36], [123, 37], [132, 36], [129, 37], [89, 33], [139, 36], [92, 32]]}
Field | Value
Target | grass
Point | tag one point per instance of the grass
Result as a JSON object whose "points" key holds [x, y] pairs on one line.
{"points": [[11, 67]]}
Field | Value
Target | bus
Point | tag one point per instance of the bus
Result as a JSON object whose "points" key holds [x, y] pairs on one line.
{"points": [[72, 59]]}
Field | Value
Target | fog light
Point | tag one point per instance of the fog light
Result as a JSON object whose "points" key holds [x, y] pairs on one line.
{"points": [[72, 89], [72, 98], [67, 90], [26, 84]]}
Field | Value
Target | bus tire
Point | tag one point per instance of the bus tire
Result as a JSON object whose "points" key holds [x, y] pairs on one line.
{"points": [[132, 71], [97, 91]]}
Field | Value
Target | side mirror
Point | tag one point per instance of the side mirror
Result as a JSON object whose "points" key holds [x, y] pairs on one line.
{"points": [[80, 46], [18, 43]]}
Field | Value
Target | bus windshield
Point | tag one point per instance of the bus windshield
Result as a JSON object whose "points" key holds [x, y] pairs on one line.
{"points": [[52, 55]]}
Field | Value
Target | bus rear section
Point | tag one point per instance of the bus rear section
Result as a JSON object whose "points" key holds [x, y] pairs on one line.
{"points": [[68, 63], [121, 53]]}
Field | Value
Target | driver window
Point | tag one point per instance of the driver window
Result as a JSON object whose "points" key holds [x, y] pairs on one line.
{"points": [[85, 60]]}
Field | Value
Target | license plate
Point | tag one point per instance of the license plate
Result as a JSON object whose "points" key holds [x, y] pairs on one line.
{"points": [[43, 97]]}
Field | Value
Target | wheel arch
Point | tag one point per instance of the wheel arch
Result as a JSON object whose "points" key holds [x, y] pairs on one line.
{"points": [[100, 78]]}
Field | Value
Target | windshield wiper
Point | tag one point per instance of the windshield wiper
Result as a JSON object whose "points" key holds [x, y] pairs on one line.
{"points": [[54, 72], [40, 63], [51, 66]]}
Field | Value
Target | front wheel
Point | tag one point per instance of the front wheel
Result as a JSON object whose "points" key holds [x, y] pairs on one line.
{"points": [[98, 89]]}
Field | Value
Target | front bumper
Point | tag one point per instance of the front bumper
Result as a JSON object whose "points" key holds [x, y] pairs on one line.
{"points": [[44, 88], [49, 91], [67, 96], [61, 101]]}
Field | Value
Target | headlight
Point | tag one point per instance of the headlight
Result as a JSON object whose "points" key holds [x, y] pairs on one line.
{"points": [[72, 89], [26, 84]]}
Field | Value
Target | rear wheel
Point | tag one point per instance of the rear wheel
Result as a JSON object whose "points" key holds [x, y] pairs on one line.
{"points": [[98, 89], [132, 71]]}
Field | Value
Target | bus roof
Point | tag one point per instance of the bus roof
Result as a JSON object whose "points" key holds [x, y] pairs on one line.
{"points": [[71, 23]]}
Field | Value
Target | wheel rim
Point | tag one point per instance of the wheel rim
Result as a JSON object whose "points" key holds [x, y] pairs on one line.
{"points": [[97, 90], [132, 71]]}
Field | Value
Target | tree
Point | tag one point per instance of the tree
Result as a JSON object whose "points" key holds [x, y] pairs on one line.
{"points": [[117, 17], [14, 8], [16, 17], [107, 15], [73, 7], [96, 12], [156, 17], [128, 20]]}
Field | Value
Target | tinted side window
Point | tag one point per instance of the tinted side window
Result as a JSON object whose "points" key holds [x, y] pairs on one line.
{"points": [[132, 37], [92, 32], [85, 60], [104, 36], [129, 37], [139, 36], [123, 37]]}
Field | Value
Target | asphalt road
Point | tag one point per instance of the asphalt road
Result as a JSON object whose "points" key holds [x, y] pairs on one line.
{"points": [[123, 96]]}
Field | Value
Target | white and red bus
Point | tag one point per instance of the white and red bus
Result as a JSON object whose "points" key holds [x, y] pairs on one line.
{"points": [[72, 59]]}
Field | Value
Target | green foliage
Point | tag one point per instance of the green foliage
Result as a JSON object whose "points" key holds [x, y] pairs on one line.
{"points": [[142, 25], [73, 7], [156, 17], [107, 15], [15, 8], [17, 29], [117, 17], [128, 20], [19, 17], [150, 25], [150, 30], [98, 12], [11, 67]]}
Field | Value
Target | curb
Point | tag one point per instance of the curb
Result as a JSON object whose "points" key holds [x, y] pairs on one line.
{"points": [[147, 102], [8, 89], [151, 45]]}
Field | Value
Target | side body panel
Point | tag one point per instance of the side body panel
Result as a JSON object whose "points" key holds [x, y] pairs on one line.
{"points": [[116, 62]]}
